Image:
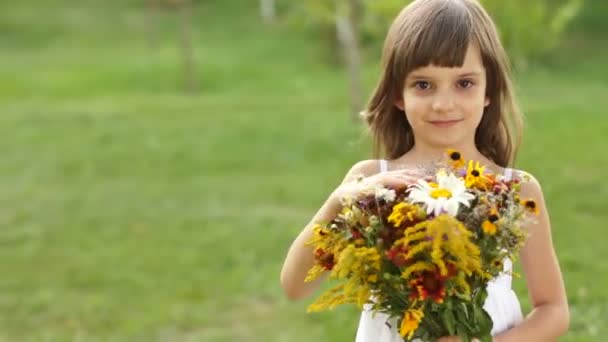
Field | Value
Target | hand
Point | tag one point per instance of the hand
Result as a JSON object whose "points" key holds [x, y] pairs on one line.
{"points": [[449, 339], [453, 339], [393, 179]]}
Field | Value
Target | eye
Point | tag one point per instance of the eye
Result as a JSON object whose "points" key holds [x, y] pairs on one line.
{"points": [[465, 84], [422, 85]]}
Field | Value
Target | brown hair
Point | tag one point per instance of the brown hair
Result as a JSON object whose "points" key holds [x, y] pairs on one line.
{"points": [[438, 32]]}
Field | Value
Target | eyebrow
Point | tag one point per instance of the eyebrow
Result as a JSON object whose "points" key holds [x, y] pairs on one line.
{"points": [[472, 73], [414, 76]]}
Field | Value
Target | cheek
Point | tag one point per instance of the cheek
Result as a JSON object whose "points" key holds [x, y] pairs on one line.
{"points": [[473, 107], [474, 104], [415, 106]]}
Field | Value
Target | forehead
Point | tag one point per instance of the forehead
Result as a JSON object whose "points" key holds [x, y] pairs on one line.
{"points": [[472, 63]]}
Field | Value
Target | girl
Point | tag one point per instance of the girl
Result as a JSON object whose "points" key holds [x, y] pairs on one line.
{"points": [[446, 84]]}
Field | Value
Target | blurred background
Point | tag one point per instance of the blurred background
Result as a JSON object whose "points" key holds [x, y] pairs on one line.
{"points": [[158, 157]]}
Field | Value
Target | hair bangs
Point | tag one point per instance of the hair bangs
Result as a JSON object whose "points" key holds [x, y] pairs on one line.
{"points": [[442, 39]]}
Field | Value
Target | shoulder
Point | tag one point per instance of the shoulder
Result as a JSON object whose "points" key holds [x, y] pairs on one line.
{"points": [[362, 168], [530, 186]]}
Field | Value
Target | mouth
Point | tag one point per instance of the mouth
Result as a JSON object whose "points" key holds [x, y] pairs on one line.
{"points": [[444, 123]]}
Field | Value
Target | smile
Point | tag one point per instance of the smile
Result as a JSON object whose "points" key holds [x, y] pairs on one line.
{"points": [[444, 123]]}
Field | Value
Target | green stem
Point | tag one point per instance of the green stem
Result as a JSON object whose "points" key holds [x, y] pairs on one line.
{"points": [[434, 326]]}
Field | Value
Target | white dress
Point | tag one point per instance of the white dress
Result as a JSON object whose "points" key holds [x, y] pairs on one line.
{"points": [[502, 304]]}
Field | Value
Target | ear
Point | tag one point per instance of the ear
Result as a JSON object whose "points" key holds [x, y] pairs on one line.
{"points": [[486, 102], [400, 104]]}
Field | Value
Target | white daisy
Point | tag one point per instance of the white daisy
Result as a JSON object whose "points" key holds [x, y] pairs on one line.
{"points": [[444, 196]]}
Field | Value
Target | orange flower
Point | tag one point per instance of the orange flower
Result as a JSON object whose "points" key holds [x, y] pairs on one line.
{"points": [[411, 321], [489, 227]]}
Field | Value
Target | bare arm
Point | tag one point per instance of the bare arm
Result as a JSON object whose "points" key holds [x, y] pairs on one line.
{"points": [[550, 316], [300, 258]]}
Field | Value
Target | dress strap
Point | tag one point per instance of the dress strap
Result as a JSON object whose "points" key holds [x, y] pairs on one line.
{"points": [[383, 165], [508, 174]]}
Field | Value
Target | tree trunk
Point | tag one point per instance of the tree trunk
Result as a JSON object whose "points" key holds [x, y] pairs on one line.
{"points": [[267, 10], [152, 9], [348, 37], [357, 10], [185, 14]]}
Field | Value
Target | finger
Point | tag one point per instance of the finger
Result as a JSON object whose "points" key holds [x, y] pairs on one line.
{"points": [[398, 181], [406, 172], [411, 173], [406, 178]]}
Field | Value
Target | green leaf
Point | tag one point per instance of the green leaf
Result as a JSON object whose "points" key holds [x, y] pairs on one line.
{"points": [[449, 320], [480, 297], [465, 310], [464, 319], [483, 321], [465, 337], [485, 338]]}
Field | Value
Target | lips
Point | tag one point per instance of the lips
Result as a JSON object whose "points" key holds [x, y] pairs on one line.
{"points": [[444, 123]]}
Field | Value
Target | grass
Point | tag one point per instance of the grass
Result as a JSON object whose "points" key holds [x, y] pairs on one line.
{"points": [[134, 212]]}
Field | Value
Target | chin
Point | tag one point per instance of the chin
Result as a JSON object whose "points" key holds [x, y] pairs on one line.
{"points": [[445, 143], [448, 139]]}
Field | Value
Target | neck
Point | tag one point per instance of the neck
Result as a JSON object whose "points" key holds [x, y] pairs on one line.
{"points": [[427, 154]]}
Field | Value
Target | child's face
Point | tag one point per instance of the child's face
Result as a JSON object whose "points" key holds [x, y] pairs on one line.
{"points": [[444, 105]]}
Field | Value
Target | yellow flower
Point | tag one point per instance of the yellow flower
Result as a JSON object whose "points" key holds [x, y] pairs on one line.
{"points": [[417, 267], [329, 300], [405, 212], [410, 322], [315, 272], [456, 159], [355, 261], [475, 177], [531, 206], [326, 243], [321, 237], [359, 267], [488, 227], [438, 193], [462, 283], [433, 240]]}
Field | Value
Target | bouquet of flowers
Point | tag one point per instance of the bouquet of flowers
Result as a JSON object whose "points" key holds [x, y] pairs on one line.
{"points": [[423, 253]]}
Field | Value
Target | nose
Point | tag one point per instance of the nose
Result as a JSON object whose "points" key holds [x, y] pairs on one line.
{"points": [[443, 102]]}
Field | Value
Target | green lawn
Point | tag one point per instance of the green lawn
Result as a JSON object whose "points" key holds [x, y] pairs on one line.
{"points": [[131, 211]]}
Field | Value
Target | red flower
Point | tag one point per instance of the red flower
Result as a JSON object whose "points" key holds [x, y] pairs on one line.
{"points": [[428, 285], [397, 256], [325, 259], [452, 270]]}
